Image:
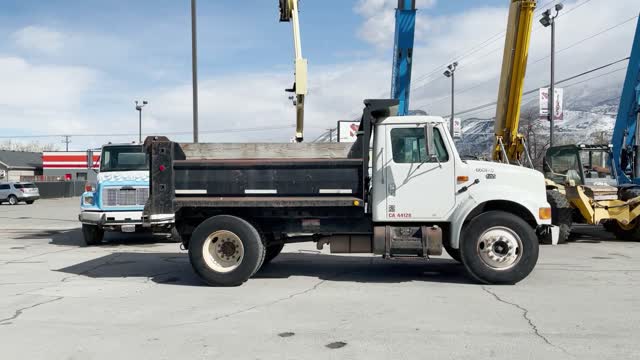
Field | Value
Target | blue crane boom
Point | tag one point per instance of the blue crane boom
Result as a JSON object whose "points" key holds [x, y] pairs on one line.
{"points": [[626, 133], [403, 54]]}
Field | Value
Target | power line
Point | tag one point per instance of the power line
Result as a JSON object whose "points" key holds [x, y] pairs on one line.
{"points": [[222, 131], [66, 141], [474, 109], [433, 102], [495, 50], [486, 43]]}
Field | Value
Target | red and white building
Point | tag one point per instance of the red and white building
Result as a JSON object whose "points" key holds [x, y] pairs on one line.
{"points": [[69, 165]]}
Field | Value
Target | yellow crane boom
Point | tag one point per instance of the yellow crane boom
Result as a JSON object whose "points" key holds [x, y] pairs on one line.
{"points": [[289, 13], [509, 145]]}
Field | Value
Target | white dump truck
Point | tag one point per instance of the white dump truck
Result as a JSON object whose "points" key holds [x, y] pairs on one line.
{"points": [[401, 190]]}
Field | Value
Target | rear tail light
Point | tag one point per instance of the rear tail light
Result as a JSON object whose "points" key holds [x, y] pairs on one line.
{"points": [[21, 189]]}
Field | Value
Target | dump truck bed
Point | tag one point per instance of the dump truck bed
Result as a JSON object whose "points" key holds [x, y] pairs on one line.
{"points": [[253, 175]]}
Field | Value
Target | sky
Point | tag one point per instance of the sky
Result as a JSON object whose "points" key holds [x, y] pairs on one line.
{"points": [[76, 67]]}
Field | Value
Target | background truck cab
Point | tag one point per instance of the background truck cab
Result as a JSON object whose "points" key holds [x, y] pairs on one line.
{"points": [[115, 202]]}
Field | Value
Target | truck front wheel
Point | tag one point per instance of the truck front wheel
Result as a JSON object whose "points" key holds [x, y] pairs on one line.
{"points": [[226, 250], [499, 248], [92, 234]]}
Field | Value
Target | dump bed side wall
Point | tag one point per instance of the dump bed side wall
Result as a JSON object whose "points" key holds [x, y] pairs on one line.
{"points": [[272, 177]]}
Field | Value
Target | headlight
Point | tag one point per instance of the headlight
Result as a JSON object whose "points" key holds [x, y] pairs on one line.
{"points": [[88, 200]]}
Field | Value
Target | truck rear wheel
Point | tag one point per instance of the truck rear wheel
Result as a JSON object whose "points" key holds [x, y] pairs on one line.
{"points": [[226, 250], [92, 234], [499, 248]]}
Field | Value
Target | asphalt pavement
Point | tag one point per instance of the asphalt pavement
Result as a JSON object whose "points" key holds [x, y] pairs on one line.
{"points": [[136, 297]]}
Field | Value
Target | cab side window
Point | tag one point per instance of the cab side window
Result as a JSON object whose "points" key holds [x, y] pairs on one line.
{"points": [[409, 146]]}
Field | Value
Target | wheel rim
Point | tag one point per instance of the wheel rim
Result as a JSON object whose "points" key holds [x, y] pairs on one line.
{"points": [[12, 201], [499, 248], [223, 251]]}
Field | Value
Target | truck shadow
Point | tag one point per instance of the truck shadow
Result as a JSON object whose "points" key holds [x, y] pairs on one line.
{"points": [[73, 237], [591, 234], [174, 268]]}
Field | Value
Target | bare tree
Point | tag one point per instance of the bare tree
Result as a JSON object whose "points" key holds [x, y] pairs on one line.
{"points": [[536, 135], [33, 146]]}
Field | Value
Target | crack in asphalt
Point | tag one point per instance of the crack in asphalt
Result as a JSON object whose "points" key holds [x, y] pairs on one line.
{"points": [[21, 311], [267, 304], [525, 316], [34, 256], [67, 278]]}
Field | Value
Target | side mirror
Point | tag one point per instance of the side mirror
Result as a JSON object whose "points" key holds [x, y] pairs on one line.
{"points": [[89, 159], [428, 137]]}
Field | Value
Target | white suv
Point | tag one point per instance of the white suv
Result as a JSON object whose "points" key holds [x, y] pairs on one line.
{"points": [[13, 193]]}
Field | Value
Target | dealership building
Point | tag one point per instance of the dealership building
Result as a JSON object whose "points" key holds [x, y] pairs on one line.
{"points": [[69, 165]]}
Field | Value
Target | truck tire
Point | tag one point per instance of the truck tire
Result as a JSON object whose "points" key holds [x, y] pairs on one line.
{"points": [[499, 248], [13, 200], [273, 251], [226, 250], [454, 253], [92, 234], [561, 214]]}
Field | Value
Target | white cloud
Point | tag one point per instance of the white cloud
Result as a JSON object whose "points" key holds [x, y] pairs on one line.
{"points": [[58, 99], [257, 100], [379, 21], [42, 86], [477, 76], [39, 39]]}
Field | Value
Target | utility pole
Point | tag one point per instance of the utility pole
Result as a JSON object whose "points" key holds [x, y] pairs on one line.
{"points": [[331, 134], [548, 20], [66, 141], [451, 73], [194, 68], [139, 109]]}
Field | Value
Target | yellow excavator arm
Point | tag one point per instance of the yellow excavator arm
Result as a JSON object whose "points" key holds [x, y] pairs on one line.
{"points": [[509, 145], [289, 13]]}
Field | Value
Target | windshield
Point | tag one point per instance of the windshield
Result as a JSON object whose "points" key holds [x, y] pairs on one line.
{"points": [[123, 158]]}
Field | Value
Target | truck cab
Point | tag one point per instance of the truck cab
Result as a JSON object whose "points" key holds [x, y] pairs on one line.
{"points": [[115, 202]]}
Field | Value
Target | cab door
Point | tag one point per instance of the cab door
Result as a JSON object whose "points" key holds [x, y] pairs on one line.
{"points": [[419, 186]]}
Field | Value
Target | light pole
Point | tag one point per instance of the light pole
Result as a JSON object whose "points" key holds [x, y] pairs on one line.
{"points": [[451, 73], [546, 21], [194, 69], [139, 109]]}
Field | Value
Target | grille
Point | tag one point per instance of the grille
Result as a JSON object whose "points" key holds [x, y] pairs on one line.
{"points": [[125, 196]]}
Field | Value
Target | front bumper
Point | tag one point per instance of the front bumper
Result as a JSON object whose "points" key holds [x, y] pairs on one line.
{"points": [[29, 197], [158, 219], [115, 218]]}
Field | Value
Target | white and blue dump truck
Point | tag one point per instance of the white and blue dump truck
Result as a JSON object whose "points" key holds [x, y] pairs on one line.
{"points": [[116, 200]]}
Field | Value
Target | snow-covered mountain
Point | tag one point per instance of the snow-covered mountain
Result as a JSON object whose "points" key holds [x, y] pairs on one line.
{"points": [[587, 119]]}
